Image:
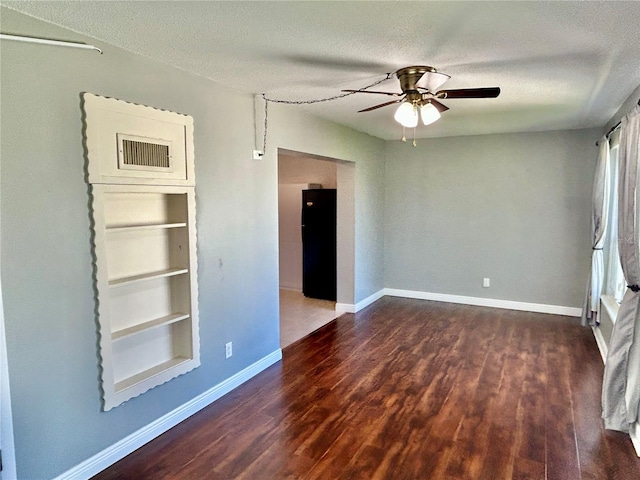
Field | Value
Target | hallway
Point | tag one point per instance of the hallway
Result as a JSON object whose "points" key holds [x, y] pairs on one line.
{"points": [[299, 315]]}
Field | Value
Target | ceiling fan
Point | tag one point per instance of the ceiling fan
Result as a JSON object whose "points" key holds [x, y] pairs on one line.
{"points": [[420, 94]]}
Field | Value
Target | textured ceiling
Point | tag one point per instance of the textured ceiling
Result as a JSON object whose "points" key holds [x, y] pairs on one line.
{"points": [[560, 64]]}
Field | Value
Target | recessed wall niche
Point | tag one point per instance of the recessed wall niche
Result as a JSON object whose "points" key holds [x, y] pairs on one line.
{"points": [[141, 175]]}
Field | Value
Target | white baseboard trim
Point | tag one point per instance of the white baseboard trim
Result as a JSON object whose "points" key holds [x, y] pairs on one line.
{"points": [[124, 447], [345, 308], [486, 302], [444, 297], [369, 300], [634, 433], [602, 344], [351, 308]]}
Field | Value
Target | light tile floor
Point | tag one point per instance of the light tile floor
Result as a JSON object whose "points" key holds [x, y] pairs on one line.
{"points": [[299, 315]]}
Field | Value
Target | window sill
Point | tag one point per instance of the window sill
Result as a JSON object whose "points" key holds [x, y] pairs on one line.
{"points": [[611, 306]]}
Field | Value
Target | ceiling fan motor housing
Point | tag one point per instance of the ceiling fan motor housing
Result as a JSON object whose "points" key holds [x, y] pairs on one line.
{"points": [[409, 77]]}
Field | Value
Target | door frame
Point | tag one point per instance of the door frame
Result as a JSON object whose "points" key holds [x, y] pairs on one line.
{"points": [[345, 226]]}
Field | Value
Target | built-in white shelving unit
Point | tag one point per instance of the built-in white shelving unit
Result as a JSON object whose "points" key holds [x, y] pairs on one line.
{"points": [[144, 245]]}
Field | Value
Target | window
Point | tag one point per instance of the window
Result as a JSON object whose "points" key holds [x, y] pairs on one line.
{"points": [[615, 284]]}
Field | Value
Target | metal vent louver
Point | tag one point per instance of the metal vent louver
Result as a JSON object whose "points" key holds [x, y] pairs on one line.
{"points": [[145, 154]]}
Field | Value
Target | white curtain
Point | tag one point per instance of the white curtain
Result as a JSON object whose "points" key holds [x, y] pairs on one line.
{"points": [[620, 394], [599, 220]]}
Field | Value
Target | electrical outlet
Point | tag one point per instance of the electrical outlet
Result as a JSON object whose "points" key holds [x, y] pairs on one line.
{"points": [[228, 350], [486, 282], [257, 155]]}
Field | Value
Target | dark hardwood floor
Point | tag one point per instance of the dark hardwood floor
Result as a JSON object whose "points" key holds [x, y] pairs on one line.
{"points": [[408, 389]]}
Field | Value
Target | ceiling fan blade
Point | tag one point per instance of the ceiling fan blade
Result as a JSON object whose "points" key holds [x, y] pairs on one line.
{"points": [[431, 81], [489, 92], [380, 106], [439, 106], [373, 91]]}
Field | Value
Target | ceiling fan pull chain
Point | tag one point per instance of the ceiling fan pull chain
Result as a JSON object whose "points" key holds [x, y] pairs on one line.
{"points": [[414, 136], [266, 99], [404, 137], [266, 116]]}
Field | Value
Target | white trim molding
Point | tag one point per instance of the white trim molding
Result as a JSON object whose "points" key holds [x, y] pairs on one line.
{"points": [[445, 297], [124, 447], [351, 308], [634, 433], [486, 302], [345, 308], [610, 306], [602, 343]]}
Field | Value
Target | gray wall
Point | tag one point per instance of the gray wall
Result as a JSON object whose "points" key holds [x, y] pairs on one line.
{"points": [[46, 249], [513, 207]]}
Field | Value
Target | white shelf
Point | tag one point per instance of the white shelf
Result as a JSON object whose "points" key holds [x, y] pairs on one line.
{"points": [[120, 282], [145, 246], [149, 373], [167, 320], [132, 228]]}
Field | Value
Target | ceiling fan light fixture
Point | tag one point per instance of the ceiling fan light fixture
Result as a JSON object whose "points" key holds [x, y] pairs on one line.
{"points": [[429, 114], [406, 115]]}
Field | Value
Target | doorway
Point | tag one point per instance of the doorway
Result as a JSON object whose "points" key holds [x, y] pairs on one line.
{"points": [[300, 315]]}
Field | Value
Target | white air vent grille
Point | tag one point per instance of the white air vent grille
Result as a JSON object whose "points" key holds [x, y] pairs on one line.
{"points": [[145, 154], [142, 153]]}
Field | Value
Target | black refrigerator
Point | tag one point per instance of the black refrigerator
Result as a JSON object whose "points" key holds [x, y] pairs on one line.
{"points": [[319, 243]]}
